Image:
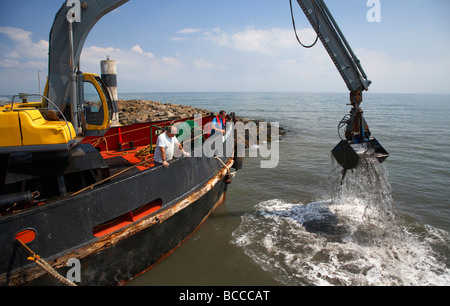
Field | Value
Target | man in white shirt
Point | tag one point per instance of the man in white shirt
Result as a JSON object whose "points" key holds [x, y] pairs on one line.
{"points": [[165, 147]]}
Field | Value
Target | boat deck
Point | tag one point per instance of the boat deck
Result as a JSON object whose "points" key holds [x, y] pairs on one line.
{"points": [[119, 160]]}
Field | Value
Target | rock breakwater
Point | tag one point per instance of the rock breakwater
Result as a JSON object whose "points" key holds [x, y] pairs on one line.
{"points": [[141, 111]]}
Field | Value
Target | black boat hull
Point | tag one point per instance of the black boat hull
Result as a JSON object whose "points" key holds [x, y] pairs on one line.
{"points": [[189, 191]]}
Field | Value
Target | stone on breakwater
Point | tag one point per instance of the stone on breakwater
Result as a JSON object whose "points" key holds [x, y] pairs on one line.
{"points": [[141, 111]]}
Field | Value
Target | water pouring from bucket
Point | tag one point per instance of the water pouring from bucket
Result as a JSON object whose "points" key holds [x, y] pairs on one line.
{"points": [[358, 142]]}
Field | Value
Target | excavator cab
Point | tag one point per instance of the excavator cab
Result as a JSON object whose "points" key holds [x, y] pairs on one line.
{"points": [[97, 106], [42, 127]]}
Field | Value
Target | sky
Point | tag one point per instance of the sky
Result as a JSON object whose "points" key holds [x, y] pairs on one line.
{"points": [[236, 45]]}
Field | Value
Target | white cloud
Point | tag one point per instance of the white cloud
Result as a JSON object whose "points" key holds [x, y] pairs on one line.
{"points": [[12, 54], [136, 68], [202, 64], [9, 63], [20, 36], [169, 61], [188, 31], [206, 65], [24, 46], [390, 74], [220, 60], [139, 50], [185, 34], [272, 42], [21, 60], [99, 52], [261, 60], [178, 38]]}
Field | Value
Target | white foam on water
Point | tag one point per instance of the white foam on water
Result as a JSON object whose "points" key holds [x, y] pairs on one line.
{"points": [[354, 238]]}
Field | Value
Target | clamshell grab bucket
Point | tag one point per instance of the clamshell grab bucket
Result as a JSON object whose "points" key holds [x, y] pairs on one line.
{"points": [[347, 154]]}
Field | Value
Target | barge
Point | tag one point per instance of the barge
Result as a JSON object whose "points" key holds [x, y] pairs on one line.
{"points": [[82, 202]]}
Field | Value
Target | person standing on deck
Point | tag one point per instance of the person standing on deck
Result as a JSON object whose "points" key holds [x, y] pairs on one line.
{"points": [[165, 147], [219, 123]]}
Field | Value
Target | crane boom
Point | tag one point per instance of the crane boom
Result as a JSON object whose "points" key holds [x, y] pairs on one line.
{"points": [[358, 141], [336, 45], [66, 42]]}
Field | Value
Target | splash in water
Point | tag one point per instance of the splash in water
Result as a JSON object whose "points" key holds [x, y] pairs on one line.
{"points": [[354, 238]]}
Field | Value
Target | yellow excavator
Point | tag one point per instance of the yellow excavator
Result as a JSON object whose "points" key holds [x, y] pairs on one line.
{"points": [[38, 127], [74, 104]]}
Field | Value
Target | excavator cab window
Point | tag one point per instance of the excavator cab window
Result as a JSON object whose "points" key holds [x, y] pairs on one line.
{"points": [[108, 99], [97, 105], [93, 107]]}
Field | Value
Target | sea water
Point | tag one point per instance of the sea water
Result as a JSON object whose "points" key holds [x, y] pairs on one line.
{"points": [[354, 238], [300, 224]]}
